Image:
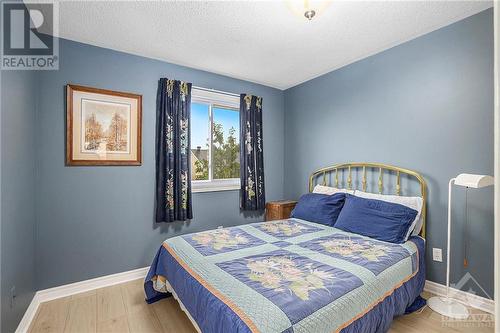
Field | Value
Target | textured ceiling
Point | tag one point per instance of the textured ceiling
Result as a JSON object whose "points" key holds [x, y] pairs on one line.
{"points": [[258, 41]]}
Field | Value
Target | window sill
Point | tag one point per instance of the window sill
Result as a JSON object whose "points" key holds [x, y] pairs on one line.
{"points": [[215, 186], [214, 189]]}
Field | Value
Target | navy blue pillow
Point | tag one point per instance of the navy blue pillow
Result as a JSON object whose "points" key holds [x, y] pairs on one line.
{"points": [[319, 208], [377, 219]]}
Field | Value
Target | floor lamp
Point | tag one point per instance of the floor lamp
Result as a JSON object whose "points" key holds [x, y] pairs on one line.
{"points": [[448, 306]]}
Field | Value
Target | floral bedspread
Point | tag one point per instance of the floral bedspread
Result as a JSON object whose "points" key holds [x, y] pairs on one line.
{"points": [[280, 276]]}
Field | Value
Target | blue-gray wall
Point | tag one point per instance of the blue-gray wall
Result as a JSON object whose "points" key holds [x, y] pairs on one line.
{"points": [[426, 105], [18, 119], [93, 221]]}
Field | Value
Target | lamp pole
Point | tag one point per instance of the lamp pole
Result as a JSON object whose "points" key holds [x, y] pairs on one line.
{"points": [[448, 249], [448, 306]]}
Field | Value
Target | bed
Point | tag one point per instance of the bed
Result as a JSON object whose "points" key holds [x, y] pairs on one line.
{"points": [[294, 275]]}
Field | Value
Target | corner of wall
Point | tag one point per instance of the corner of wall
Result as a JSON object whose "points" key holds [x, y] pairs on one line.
{"points": [[18, 169], [38, 79]]}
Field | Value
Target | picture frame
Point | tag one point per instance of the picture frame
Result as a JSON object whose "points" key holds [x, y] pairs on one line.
{"points": [[103, 127]]}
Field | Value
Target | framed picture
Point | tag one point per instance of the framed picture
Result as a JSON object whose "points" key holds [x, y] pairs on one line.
{"points": [[103, 127]]}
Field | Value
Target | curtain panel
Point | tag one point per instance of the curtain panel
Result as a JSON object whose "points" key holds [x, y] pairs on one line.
{"points": [[252, 191], [173, 156]]}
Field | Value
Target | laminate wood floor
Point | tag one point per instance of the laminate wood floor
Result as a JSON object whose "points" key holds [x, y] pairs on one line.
{"points": [[121, 308]]}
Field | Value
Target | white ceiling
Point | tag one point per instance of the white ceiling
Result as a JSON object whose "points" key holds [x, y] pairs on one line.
{"points": [[258, 41]]}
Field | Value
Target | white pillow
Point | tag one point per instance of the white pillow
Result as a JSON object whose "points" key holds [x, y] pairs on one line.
{"points": [[411, 202], [321, 189]]}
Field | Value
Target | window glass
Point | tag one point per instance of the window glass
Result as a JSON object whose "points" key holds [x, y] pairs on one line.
{"points": [[200, 141], [215, 140], [225, 143]]}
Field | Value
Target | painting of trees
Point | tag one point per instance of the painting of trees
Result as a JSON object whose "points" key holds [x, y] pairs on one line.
{"points": [[93, 132], [117, 133], [103, 127]]}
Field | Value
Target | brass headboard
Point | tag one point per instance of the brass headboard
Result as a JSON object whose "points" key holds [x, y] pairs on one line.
{"points": [[380, 167]]}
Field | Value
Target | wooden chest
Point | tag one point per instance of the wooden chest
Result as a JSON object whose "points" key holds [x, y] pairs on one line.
{"points": [[277, 210]]}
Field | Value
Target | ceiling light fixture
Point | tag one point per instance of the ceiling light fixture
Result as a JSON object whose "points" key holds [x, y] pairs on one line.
{"points": [[309, 14], [307, 8]]}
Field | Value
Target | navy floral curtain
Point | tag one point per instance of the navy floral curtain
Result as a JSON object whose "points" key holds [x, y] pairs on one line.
{"points": [[252, 192], [173, 157]]}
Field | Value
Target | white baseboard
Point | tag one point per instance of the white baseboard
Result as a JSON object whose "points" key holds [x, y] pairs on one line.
{"points": [[481, 303], [75, 288], [29, 315], [478, 302]]}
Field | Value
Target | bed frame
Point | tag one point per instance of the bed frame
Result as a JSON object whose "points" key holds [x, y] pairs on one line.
{"points": [[345, 171]]}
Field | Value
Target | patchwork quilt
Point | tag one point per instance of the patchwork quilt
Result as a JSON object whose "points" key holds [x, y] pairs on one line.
{"points": [[287, 276]]}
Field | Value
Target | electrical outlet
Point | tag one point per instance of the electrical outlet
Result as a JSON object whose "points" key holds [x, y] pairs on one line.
{"points": [[13, 295], [437, 254]]}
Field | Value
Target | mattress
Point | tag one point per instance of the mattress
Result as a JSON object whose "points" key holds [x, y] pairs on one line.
{"points": [[288, 276]]}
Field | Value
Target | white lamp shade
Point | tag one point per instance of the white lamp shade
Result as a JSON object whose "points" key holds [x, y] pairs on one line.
{"points": [[474, 181]]}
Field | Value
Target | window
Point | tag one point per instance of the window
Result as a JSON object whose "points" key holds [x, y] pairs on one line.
{"points": [[215, 141]]}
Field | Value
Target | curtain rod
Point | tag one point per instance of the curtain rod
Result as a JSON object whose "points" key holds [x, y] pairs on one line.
{"points": [[216, 91]]}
